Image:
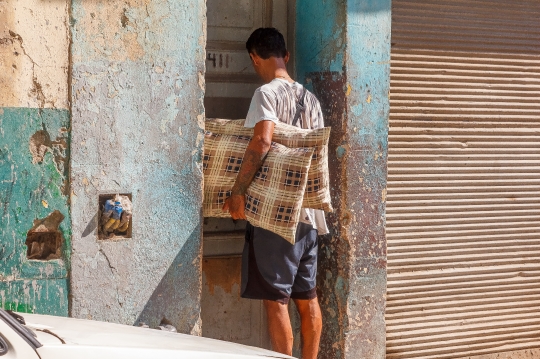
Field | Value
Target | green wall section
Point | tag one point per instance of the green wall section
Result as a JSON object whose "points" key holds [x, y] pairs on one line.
{"points": [[31, 189], [43, 296]]}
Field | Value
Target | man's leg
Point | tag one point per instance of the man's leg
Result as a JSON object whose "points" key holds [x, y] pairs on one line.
{"points": [[279, 327], [311, 318]]}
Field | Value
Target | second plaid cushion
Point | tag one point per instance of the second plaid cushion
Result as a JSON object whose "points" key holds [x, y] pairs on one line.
{"points": [[274, 198]]}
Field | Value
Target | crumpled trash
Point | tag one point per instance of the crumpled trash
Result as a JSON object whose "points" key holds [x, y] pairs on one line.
{"points": [[168, 328], [116, 215], [126, 214]]}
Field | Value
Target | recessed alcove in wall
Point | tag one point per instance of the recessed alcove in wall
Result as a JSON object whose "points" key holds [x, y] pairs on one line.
{"points": [[44, 240]]}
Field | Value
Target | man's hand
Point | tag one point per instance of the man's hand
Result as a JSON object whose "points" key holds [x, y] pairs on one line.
{"points": [[236, 204], [253, 159]]}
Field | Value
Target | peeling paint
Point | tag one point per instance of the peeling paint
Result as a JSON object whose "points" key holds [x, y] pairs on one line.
{"points": [[28, 189], [340, 151], [343, 52], [40, 143], [137, 84]]}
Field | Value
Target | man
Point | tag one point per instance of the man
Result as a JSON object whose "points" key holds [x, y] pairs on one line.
{"points": [[272, 269]]}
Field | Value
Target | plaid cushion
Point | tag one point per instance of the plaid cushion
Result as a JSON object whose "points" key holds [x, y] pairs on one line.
{"points": [[274, 198], [317, 194]]}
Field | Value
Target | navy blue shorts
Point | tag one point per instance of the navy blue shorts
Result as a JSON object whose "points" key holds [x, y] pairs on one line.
{"points": [[274, 269]]}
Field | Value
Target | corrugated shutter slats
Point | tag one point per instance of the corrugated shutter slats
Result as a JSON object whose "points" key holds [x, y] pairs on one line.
{"points": [[463, 202]]}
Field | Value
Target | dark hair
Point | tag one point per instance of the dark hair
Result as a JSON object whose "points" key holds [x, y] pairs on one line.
{"points": [[266, 42]]}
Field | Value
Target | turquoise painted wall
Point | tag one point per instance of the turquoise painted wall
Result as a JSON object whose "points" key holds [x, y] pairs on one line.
{"points": [[30, 191], [320, 37], [343, 54]]}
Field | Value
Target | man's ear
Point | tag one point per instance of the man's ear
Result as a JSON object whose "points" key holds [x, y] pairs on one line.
{"points": [[287, 57], [256, 59]]}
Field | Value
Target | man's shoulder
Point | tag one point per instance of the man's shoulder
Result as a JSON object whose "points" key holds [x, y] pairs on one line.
{"points": [[273, 87], [311, 96], [276, 87], [311, 101]]}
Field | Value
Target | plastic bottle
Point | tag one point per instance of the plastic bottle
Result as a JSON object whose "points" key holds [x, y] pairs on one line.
{"points": [[114, 221]]}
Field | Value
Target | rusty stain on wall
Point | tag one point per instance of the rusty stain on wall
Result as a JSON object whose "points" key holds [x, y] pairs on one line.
{"points": [[40, 143], [334, 257], [222, 272]]}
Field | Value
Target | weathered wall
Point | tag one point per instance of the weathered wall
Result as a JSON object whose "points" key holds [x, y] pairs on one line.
{"points": [[137, 103], [34, 54], [34, 151], [343, 53]]}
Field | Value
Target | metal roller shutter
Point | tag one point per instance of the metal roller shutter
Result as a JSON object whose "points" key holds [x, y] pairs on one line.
{"points": [[463, 203]]}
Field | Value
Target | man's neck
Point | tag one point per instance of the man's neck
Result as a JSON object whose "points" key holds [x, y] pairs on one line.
{"points": [[283, 74], [276, 68]]}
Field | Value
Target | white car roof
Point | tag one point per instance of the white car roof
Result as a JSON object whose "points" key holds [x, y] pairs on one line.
{"points": [[101, 335]]}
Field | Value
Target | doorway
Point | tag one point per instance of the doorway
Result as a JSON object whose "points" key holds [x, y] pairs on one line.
{"points": [[230, 84]]}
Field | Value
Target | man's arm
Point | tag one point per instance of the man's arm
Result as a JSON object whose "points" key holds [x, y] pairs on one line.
{"points": [[253, 159]]}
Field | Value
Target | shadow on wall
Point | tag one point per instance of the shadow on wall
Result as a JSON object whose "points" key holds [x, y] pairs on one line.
{"points": [[170, 301]]}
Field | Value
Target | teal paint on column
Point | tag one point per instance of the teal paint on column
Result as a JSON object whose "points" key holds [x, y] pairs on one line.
{"points": [[343, 54], [368, 68], [368, 107], [32, 188], [320, 37]]}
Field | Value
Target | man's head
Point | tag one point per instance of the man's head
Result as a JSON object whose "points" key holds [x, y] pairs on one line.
{"points": [[266, 47], [266, 42]]}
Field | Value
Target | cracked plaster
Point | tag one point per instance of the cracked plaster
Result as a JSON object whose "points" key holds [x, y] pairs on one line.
{"points": [[346, 63], [136, 76], [34, 45]]}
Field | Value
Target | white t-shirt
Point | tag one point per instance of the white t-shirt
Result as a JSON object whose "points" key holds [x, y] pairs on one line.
{"points": [[276, 101]]}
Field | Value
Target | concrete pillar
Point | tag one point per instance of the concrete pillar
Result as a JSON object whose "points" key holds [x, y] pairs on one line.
{"points": [[137, 92], [343, 54], [34, 156]]}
